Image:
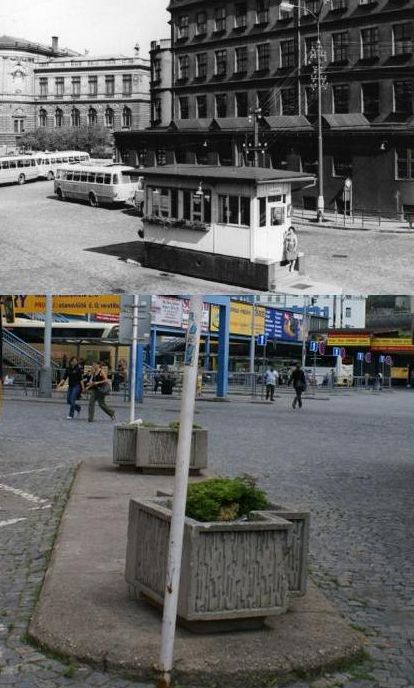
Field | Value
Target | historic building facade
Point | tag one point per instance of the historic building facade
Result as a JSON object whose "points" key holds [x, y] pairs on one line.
{"points": [[161, 82], [45, 86], [18, 59], [244, 76]]}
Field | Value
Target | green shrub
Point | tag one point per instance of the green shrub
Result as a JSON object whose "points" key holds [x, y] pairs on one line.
{"points": [[224, 499]]}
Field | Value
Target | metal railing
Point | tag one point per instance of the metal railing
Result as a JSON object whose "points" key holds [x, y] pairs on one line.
{"points": [[360, 217]]}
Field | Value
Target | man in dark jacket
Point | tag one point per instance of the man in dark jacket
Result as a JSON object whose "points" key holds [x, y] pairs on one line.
{"points": [[298, 379]]}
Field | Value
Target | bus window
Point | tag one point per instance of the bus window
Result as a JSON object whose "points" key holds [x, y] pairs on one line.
{"points": [[20, 163], [69, 176], [53, 161], [77, 159], [71, 159], [91, 177], [76, 176], [107, 179], [13, 164], [27, 163], [99, 178], [115, 179], [33, 163], [5, 165], [83, 177], [59, 161]]}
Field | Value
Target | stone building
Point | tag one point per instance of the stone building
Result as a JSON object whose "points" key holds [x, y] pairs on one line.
{"points": [[244, 76], [161, 82]]}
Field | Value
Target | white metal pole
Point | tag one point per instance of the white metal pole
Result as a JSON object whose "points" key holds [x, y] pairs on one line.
{"points": [[134, 343], [180, 492], [321, 200], [304, 329], [45, 380], [253, 337]]}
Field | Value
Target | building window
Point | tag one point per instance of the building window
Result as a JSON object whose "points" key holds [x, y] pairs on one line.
{"points": [[370, 100], [201, 23], [311, 46], [340, 44], [369, 43], [76, 83], [366, 2], [287, 53], [404, 163], [156, 71], [183, 26], [221, 105], [75, 118], [183, 107], [93, 85], [58, 118], [183, 67], [240, 60], [340, 98], [311, 100], [402, 39], [110, 85], [221, 62], [92, 117], [348, 312], [201, 65], [311, 6], [240, 16], [285, 13], [403, 97], [201, 107], [18, 125], [42, 118], [44, 87], [262, 11], [109, 118], [161, 156], [234, 210], [263, 56], [289, 101], [264, 99], [157, 110], [342, 165], [220, 19], [126, 84], [60, 85], [242, 107], [126, 118], [338, 4]]}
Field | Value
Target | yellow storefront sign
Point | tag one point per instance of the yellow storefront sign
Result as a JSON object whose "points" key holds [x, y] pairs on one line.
{"points": [[349, 340], [399, 373], [240, 319], [387, 342], [82, 304]]}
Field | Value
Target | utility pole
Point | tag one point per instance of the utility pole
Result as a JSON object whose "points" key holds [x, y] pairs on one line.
{"points": [[254, 117], [45, 380]]}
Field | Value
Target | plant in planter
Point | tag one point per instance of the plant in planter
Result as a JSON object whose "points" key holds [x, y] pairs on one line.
{"points": [[234, 567]]}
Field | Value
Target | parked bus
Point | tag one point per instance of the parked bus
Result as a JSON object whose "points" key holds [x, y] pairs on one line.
{"points": [[97, 185], [18, 169], [49, 162]]}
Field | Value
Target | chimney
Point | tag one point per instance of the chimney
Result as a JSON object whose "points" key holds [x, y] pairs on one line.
{"points": [[55, 40]]}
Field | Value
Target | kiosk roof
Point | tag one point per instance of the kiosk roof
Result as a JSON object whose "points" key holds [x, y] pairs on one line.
{"points": [[215, 173]]}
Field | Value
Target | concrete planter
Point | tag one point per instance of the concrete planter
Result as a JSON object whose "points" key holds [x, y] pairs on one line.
{"points": [[156, 448], [298, 553], [124, 445], [231, 572]]}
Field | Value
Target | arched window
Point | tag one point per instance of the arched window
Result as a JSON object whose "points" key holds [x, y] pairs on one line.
{"points": [[109, 118], [75, 117], [42, 118], [92, 117], [126, 118], [59, 118]]}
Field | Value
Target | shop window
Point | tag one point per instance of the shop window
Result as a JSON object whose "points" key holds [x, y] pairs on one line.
{"points": [[234, 210]]}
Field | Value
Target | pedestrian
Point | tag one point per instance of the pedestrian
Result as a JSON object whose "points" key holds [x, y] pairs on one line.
{"points": [[120, 375], [73, 374], [98, 387], [290, 241], [270, 382], [380, 381], [298, 379]]}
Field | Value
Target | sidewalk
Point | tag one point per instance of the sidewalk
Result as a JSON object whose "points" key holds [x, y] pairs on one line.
{"points": [[84, 611], [369, 223]]}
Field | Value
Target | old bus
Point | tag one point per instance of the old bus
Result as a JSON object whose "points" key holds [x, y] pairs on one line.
{"points": [[98, 185], [49, 162], [18, 169]]}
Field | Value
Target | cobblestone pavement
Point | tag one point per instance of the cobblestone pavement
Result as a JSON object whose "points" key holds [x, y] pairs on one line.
{"points": [[48, 243], [348, 459]]}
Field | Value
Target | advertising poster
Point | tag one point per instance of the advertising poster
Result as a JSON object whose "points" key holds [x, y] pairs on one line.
{"points": [[241, 319], [69, 305], [284, 325]]}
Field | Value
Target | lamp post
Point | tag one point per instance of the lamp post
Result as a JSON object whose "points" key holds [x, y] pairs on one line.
{"points": [[317, 16]]}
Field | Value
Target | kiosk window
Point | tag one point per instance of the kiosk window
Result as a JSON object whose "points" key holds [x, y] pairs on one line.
{"points": [[234, 210], [277, 215], [262, 212]]}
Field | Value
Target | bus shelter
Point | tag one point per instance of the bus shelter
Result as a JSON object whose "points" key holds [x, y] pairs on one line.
{"points": [[227, 224]]}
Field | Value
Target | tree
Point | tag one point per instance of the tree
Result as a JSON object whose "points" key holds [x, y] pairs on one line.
{"points": [[91, 139]]}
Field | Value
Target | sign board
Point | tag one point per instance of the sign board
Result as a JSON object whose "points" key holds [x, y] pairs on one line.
{"points": [[381, 359], [126, 319], [388, 360], [368, 357], [261, 340], [284, 325], [82, 304], [322, 348], [241, 319], [349, 339], [313, 346], [360, 356]]}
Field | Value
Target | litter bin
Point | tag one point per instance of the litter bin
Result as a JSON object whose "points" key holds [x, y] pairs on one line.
{"points": [[167, 386]]}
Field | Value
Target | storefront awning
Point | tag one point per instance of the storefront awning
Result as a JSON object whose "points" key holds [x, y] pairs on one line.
{"points": [[288, 122], [190, 125], [348, 120]]}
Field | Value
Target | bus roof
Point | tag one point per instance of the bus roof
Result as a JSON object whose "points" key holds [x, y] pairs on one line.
{"points": [[105, 169]]}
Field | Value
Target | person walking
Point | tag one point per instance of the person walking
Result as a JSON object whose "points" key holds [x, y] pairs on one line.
{"points": [[270, 382], [98, 387], [73, 374], [298, 379]]}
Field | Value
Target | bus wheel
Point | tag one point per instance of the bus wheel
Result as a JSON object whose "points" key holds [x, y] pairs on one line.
{"points": [[50, 176], [59, 194], [93, 201], [21, 179]]}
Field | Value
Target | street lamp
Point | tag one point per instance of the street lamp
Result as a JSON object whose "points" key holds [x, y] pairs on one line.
{"points": [[317, 16]]}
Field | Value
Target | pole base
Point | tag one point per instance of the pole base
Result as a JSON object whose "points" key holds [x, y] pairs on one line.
{"points": [[45, 382]]}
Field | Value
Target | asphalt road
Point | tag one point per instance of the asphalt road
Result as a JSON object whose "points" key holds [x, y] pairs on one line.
{"points": [[348, 459], [47, 245]]}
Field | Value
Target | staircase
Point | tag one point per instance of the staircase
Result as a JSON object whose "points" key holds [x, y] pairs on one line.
{"points": [[22, 357]]}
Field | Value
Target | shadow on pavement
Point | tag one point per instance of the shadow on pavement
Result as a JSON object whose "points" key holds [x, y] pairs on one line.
{"points": [[132, 250]]}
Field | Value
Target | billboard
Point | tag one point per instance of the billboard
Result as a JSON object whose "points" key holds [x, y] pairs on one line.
{"points": [[241, 319], [284, 325], [349, 339], [169, 311], [82, 304]]}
